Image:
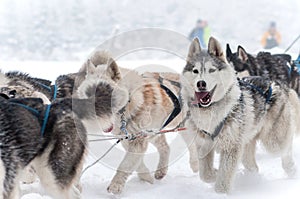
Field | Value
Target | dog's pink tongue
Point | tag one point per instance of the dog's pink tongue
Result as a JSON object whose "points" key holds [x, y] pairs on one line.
{"points": [[200, 96], [109, 129]]}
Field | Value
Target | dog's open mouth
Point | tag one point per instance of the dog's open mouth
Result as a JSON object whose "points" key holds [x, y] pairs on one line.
{"points": [[108, 130], [204, 98]]}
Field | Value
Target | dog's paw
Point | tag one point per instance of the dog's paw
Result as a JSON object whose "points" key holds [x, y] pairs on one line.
{"points": [[291, 171], [209, 176], [194, 166], [28, 176], [289, 167], [115, 188], [160, 173], [146, 177], [222, 187]]}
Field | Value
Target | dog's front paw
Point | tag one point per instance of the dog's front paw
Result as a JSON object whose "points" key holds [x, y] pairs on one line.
{"points": [[115, 188], [160, 173], [209, 176], [221, 187]]}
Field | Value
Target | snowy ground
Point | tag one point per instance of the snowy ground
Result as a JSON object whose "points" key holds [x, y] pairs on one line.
{"points": [[180, 182]]}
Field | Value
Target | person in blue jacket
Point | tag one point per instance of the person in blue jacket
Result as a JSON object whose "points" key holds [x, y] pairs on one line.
{"points": [[198, 32], [297, 63]]}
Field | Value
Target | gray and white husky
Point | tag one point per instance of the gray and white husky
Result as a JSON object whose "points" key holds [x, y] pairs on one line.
{"points": [[228, 115], [57, 152]]}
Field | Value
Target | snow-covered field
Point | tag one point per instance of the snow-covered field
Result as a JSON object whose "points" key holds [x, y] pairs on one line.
{"points": [[180, 182]]}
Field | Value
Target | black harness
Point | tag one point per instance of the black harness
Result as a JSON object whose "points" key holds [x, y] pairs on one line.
{"points": [[176, 101]]}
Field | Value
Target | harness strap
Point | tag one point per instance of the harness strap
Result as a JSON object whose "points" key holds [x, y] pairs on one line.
{"points": [[217, 130], [267, 94], [43, 85], [220, 126], [32, 110], [175, 100], [45, 120], [47, 112], [176, 103]]}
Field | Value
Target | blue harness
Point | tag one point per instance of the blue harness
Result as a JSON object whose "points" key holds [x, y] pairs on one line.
{"points": [[48, 107], [37, 113], [267, 95]]}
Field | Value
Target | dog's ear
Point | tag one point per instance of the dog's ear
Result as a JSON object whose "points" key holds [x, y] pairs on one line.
{"points": [[242, 54], [194, 49], [228, 52], [120, 98], [215, 49], [90, 68], [113, 70]]}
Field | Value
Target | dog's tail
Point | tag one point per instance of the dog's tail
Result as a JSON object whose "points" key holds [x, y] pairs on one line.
{"points": [[295, 103], [97, 58]]}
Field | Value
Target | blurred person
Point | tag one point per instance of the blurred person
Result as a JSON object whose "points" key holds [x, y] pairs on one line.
{"points": [[206, 32], [198, 32], [271, 38], [297, 63]]}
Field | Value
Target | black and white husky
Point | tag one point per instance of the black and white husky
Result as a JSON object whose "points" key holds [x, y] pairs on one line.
{"points": [[54, 146]]}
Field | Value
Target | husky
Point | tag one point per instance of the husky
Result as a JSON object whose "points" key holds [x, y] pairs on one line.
{"points": [[228, 115], [57, 151], [16, 84], [276, 67], [147, 109]]}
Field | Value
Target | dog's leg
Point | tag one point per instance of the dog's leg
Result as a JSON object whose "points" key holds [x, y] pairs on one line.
{"points": [[59, 191], [77, 177], [205, 151], [287, 161], [131, 161], [249, 161], [9, 176], [163, 149], [189, 140], [229, 159], [144, 173], [15, 191], [207, 171], [2, 178]]}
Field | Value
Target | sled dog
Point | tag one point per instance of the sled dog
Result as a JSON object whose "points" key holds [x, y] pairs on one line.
{"points": [[148, 107], [51, 138], [228, 115]]}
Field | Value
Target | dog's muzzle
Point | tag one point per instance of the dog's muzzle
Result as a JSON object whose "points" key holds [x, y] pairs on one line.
{"points": [[203, 98]]}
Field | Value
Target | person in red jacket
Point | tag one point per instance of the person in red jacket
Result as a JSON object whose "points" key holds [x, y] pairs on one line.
{"points": [[271, 38]]}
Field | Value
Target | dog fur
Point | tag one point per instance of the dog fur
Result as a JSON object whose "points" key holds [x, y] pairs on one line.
{"points": [[247, 115], [277, 67], [147, 108], [57, 157]]}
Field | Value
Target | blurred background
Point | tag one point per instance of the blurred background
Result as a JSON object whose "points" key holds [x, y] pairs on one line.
{"points": [[69, 30]]}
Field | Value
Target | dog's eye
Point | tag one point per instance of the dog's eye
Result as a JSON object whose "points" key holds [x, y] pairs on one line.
{"points": [[195, 71], [211, 70], [12, 93]]}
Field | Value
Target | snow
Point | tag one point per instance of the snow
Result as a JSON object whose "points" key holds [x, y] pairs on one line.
{"points": [[53, 37], [180, 182], [56, 30]]}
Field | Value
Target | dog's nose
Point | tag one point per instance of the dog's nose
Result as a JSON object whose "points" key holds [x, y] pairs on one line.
{"points": [[201, 85]]}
